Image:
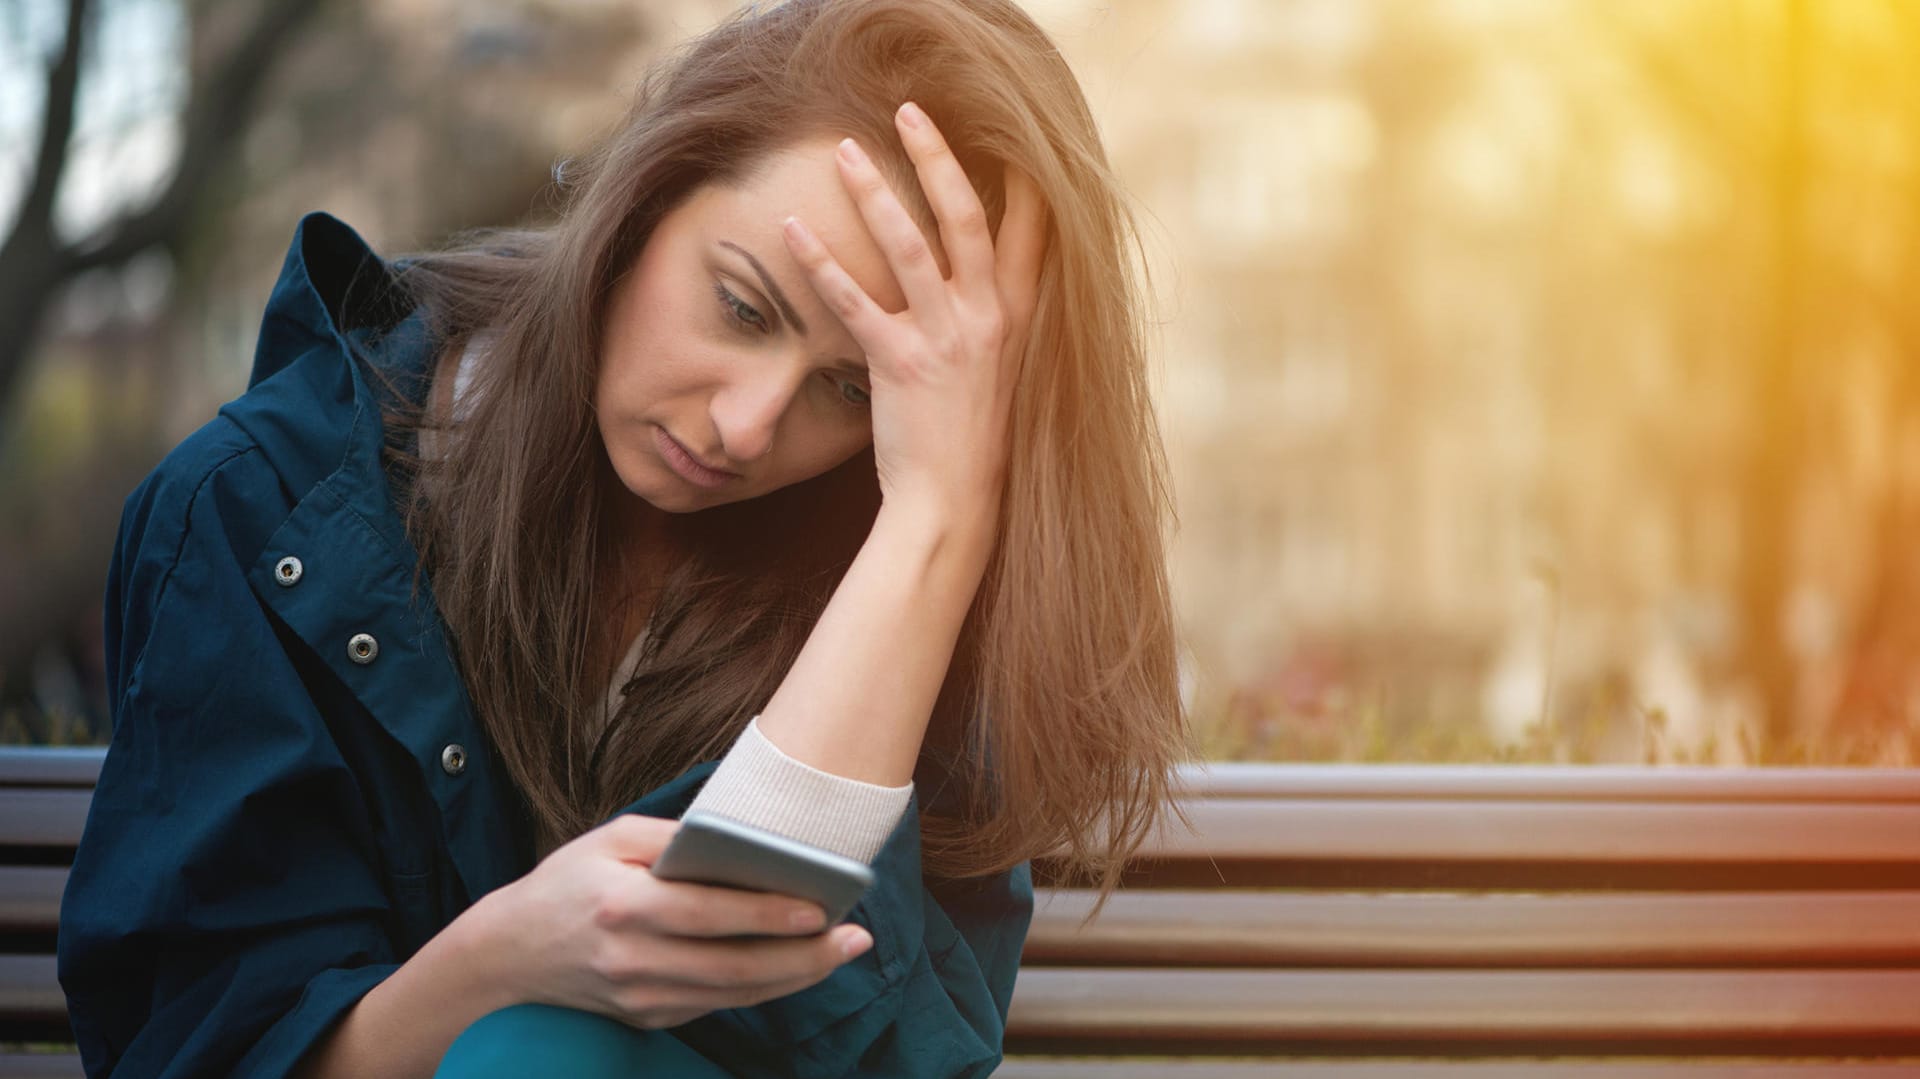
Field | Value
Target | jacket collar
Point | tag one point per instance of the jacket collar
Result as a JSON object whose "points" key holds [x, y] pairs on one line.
{"points": [[331, 285], [316, 416]]}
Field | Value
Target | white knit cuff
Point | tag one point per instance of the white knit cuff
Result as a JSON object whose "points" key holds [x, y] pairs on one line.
{"points": [[758, 784]]}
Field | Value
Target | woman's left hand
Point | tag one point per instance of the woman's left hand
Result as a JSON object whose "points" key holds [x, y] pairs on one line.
{"points": [[944, 369]]}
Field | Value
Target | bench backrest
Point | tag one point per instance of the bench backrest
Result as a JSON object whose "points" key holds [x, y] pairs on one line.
{"points": [[1498, 912], [1431, 912], [43, 804]]}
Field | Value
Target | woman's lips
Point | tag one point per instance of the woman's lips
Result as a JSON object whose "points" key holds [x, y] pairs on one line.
{"points": [[684, 464]]}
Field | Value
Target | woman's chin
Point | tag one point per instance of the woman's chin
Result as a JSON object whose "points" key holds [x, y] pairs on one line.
{"points": [[669, 493], [667, 500]]}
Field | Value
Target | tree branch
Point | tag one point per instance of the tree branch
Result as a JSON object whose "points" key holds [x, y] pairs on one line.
{"points": [[216, 117], [31, 243], [56, 126], [34, 263]]}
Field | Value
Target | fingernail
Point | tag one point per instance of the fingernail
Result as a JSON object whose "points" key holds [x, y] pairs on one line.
{"points": [[850, 150], [857, 941], [911, 115], [794, 229], [807, 918]]}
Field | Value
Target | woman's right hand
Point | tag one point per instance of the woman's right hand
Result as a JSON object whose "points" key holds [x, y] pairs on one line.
{"points": [[591, 928], [944, 369]]}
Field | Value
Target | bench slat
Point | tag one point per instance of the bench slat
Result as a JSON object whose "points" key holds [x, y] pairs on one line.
{"points": [[80, 766], [30, 989], [1331, 929], [1337, 812], [1428, 832], [41, 1066], [1548, 782], [1470, 830], [50, 766], [1411, 1069], [43, 816], [1126, 1009], [30, 898], [67, 1066]]}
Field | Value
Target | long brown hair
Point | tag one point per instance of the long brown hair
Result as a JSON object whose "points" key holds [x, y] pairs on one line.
{"points": [[1060, 722]]}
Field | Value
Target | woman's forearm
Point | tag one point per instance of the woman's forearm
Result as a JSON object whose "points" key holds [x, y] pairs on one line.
{"points": [[858, 697], [404, 1025]]}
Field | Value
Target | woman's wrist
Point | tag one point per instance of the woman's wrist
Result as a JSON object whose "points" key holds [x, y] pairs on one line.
{"points": [[947, 538], [404, 1025], [484, 938]]}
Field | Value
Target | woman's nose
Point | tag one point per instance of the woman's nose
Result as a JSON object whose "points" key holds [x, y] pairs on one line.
{"points": [[747, 412]]}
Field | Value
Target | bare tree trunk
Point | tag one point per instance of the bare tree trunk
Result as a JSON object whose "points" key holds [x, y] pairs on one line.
{"points": [[35, 262], [30, 260]]}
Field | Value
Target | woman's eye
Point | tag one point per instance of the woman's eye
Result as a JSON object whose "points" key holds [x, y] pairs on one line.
{"points": [[852, 394], [739, 312]]}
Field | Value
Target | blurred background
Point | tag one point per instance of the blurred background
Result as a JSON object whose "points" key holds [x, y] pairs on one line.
{"points": [[1539, 376]]}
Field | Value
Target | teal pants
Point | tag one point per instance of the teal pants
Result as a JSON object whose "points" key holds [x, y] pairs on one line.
{"points": [[531, 1041]]}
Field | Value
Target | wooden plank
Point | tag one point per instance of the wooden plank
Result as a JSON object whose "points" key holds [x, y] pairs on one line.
{"points": [[1266, 829], [42, 816], [1546, 782], [50, 766], [1121, 1010], [30, 898], [41, 1066], [1677, 833], [80, 766], [1034, 1068], [1425, 832], [1333, 929], [30, 989]]}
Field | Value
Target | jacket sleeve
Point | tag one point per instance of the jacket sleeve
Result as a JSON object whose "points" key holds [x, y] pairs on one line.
{"points": [[928, 1000], [224, 907]]}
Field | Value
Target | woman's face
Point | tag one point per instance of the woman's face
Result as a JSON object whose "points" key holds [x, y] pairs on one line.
{"points": [[722, 375]]}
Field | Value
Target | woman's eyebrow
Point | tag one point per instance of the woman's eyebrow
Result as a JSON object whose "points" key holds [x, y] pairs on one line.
{"points": [[766, 280], [786, 309]]}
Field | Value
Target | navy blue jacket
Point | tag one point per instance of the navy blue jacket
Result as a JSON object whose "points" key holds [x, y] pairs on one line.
{"points": [[298, 795]]}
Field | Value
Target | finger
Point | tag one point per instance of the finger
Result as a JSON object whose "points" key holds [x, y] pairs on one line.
{"points": [[956, 206], [760, 994], [684, 909], [1020, 247], [636, 838], [868, 322], [901, 241], [696, 1001], [750, 964]]}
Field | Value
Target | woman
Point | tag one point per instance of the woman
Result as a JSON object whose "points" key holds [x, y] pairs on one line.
{"points": [[803, 470]]}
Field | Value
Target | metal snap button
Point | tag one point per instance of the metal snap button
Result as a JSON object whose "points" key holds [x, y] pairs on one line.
{"points": [[361, 648], [453, 759], [287, 571]]}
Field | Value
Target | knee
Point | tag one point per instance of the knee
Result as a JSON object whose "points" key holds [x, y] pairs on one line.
{"points": [[539, 1040]]}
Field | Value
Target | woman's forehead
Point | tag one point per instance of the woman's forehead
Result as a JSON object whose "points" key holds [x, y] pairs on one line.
{"points": [[802, 181]]}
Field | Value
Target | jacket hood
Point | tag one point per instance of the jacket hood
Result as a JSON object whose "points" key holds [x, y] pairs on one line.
{"points": [[310, 406], [331, 287]]}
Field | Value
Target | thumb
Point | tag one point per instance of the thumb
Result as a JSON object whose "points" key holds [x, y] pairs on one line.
{"points": [[637, 838]]}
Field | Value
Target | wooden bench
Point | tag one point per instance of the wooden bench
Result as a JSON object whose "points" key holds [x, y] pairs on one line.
{"points": [[1363, 921], [43, 804], [1356, 922]]}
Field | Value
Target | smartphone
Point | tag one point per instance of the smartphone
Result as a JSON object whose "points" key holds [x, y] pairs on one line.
{"points": [[715, 850]]}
